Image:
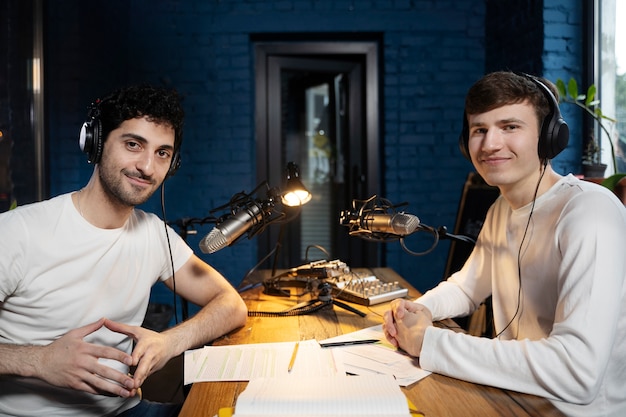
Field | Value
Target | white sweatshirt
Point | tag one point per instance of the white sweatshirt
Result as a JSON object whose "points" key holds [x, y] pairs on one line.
{"points": [[567, 340]]}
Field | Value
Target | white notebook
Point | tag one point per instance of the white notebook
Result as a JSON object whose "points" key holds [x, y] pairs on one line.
{"points": [[342, 395]]}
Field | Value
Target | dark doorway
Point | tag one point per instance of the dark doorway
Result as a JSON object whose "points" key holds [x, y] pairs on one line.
{"points": [[23, 175], [317, 106]]}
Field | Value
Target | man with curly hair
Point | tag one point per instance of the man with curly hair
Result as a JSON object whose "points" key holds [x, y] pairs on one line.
{"points": [[76, 273]]}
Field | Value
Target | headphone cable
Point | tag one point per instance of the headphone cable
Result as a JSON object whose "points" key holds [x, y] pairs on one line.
{"points": [[519, 252], [169, 248]]}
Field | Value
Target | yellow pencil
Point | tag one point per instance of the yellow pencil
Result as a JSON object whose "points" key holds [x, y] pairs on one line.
{"points": [[293, 357]]}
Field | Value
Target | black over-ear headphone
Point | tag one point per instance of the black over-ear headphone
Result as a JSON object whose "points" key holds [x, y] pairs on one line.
{"points": [[554, 130], [91, 141]]}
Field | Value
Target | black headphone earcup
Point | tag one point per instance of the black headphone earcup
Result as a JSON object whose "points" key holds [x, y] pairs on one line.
{"points": [[464, 139], [554, 131], [90, 140], [174, 165], [554, 137]]}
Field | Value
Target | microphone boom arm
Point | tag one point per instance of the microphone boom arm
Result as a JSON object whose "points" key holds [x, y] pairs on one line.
{"points": [[375, 221], [246, 214]]}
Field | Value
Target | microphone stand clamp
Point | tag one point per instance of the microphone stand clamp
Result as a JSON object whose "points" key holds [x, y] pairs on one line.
{"points": [[324, 298]]}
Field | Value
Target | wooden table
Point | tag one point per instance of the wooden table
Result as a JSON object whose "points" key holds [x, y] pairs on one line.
{"points": [[435, 395]]}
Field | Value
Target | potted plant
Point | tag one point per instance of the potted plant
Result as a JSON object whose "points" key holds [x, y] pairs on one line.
{"points": [[588, 103], [591, 159], [592, 166]]}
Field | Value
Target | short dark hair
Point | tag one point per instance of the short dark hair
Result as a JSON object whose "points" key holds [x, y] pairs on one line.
{"points": [[502, 88], [158, 105]]}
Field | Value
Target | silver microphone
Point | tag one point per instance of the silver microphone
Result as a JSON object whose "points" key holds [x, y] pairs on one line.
{"points": [[398, 223], [230, 229]]}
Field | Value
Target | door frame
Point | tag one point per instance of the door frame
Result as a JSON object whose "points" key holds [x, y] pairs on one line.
{"points": [[369, 181]]}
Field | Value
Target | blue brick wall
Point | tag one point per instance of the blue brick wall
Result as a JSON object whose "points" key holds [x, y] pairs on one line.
{"points": [[433, 51], [563, 58]]}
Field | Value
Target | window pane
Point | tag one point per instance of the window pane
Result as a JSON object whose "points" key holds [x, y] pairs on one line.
{"points": [[620, 83], [612, 78]]}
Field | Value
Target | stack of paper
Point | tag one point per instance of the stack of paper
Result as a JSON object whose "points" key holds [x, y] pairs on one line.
{"points": [[371, 395], [379, 358], [246, 362]]}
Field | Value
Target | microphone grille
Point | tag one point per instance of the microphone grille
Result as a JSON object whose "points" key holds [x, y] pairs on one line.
{"points": [[213, 242], [404, 224]]}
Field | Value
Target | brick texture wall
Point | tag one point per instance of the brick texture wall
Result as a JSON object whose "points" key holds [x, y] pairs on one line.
{"points": [[433, 51]]}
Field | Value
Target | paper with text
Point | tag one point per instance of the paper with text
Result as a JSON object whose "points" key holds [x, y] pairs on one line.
{"points": [[378, 358], [245, 362]]}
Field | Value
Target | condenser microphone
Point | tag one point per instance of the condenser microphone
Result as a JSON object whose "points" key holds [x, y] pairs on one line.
{"points": [[397, 223], [231, 229]]}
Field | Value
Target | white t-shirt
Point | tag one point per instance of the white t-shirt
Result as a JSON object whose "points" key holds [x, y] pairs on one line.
{"points": [[567, 341], [57, 273]]}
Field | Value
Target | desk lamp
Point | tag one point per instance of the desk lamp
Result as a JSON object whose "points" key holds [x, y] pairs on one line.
{"points": [[247, 213], [250, 214], [295, 193]]}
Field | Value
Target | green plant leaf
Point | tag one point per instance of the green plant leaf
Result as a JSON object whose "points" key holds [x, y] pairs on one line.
{"points": [[611, 182], [598, 112], [572, 88], [560, 86], [13, 204], [610, 119], [591, 94]]}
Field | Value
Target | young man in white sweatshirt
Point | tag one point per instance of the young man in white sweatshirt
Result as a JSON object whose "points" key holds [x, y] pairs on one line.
{"points": [[550, 253]]}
